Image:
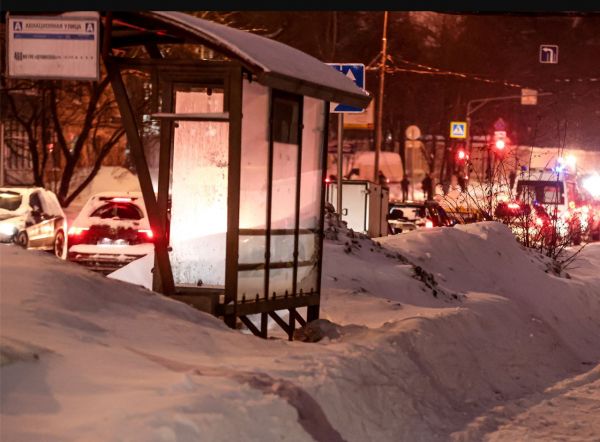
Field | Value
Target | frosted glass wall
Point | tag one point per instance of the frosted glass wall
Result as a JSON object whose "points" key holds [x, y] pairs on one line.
{"points": [[283, 216], [310, 193], [254, 190], [253, 187], [199, 191]]}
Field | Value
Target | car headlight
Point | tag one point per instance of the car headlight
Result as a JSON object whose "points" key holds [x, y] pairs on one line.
{"points": [[7, 229]]}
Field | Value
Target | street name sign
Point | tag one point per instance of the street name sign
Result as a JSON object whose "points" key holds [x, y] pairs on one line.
{"points": [[365, 120], [549, 54], [529, 97], [57, 48], [458, 129], [356, 73]]}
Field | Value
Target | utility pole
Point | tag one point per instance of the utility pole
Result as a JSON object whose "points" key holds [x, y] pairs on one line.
{"points": [[340, 159], [379, 122], [2, 154]]}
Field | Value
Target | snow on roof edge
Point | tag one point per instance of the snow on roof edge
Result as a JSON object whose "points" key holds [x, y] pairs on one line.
{"points": [[276, 61]]}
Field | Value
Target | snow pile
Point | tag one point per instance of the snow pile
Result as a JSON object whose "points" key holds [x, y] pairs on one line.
{"points": [[451, 333], [138, 272]]}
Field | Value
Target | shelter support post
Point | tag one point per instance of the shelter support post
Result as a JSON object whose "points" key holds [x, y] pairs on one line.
{"points": [[233, 192], [312, 311], [141, 165]]}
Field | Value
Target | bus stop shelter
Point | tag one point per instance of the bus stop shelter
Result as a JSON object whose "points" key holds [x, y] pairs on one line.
{"points": [[237, 213]]}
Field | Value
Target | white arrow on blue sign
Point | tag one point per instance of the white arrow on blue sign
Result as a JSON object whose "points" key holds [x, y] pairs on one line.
{"points": [[549, 54], [356, 73]]}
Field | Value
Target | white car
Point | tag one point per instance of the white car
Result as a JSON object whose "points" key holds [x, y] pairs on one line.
{"points": [[111, 231], [32, 218]]}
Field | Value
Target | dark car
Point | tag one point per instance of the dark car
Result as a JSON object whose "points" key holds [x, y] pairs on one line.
{"points": [[32, 218], [407, 216]]}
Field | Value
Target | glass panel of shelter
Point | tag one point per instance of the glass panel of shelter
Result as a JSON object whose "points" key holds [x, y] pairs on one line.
{"points": [[198, 187], [254, 182], [290, 207], [310, 195]]}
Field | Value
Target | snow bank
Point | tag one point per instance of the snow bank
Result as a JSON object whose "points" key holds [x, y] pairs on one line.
{"points": [[438, 334], [138, 272], [486, 258]]}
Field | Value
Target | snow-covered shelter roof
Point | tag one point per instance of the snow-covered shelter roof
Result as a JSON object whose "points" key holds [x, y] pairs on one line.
{"points": [[275, 64]]}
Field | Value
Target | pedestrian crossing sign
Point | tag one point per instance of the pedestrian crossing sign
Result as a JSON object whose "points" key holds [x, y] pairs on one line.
{"points": [[458, 129]]}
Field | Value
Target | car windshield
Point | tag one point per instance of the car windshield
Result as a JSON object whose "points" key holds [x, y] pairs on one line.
{"points": [[544, 192], [10, 200], [411, 213], [114, 210]]}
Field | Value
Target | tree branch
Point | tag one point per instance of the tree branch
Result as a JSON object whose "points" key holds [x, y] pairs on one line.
{"points": [[116, 136]]}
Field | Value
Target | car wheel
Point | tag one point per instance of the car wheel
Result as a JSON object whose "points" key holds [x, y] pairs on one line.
{"points": [[59, 244], [22, 239]]}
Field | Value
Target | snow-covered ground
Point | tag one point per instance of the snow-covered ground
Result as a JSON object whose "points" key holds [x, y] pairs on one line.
{"points": [[440, 334]]}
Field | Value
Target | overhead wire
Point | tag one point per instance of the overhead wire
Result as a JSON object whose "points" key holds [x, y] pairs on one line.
{"points": [[431, 70]]}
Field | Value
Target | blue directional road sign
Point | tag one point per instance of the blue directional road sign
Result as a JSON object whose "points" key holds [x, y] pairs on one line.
{"points": [[355, 72], [458, 129], [549, 54]]}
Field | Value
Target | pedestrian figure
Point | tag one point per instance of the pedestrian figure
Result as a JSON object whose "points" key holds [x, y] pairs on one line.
{"points": [[512, 177], [383, 179], [404, 185], [461, 182], [427, 184]]}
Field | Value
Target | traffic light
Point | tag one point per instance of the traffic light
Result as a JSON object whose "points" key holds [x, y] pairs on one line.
{"points": [[461, 154], [499, 140]]}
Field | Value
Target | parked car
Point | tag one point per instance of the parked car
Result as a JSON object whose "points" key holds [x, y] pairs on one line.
{"points": [[407, 216], [111, 231], [32, 218]]}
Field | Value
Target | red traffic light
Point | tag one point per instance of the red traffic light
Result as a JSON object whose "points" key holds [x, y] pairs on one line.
{"points": [[500, 139], [462, 155]]}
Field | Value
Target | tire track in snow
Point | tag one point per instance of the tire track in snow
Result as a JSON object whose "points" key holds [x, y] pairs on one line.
{"points": [[310, 414]]}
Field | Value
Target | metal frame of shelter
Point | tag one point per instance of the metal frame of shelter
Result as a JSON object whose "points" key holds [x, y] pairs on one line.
{"points": [[250, 57]]}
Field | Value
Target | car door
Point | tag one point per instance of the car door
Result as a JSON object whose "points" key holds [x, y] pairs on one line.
{"points": [[40, 225]]}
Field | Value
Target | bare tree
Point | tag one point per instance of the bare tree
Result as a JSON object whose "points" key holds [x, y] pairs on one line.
{"points": [[76, 122]]}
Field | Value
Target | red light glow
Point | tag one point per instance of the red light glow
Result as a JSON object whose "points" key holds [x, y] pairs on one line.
{"points": [[461, 155], [513, 206], [149, 233], [500, 144], [121, 200], [429, 224], [76, 231]]}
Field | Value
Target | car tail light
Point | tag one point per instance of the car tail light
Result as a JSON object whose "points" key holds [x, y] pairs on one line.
{"points": [[147, 232], [428, 224], [513, 206], [76, 231]]}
